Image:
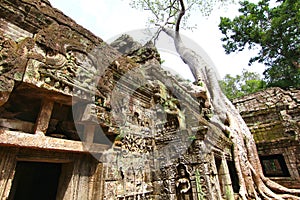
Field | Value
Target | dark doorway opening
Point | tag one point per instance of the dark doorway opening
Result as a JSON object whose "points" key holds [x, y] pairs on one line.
{"points": [[233, 176], [218, 162], [35, 181]]}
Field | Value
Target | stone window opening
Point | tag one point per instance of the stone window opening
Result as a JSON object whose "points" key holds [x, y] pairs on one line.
{"points": [[170, 124], [20, 112], [172, 121], [61, 124], [274, 166], [136, 119]]}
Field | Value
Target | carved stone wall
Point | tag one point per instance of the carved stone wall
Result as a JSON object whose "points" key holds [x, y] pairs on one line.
{"points": [[137, 132], [273, 116], [165, 148]]}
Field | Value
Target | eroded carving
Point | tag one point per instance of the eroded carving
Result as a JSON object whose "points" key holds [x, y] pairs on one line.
{"points": [[183, 184]]}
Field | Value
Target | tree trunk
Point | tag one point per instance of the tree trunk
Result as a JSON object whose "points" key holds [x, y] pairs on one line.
{"points": [[253, 183]]}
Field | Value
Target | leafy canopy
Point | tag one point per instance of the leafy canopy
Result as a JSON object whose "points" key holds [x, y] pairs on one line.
{"points": [[275, 31], [174, 12], [241, 85]]}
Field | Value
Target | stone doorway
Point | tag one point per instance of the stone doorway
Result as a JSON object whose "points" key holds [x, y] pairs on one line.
{"points": [[35, 181]]}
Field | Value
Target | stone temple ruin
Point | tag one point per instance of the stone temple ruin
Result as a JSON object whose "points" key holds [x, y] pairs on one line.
{"points": [[273, 116], [82, 119]]}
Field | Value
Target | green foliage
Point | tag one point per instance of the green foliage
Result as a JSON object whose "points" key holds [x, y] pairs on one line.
{"points": [[191, 138], [165, 12], [120, 136], [275, 31], [240, 85], [282, 76]]}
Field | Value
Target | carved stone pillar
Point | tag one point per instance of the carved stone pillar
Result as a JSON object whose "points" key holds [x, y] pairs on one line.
{"points": [[98, 183], [226, 187], [7, 170], [44, 117], [66, 182], [78, 179], [89, 132], [206, 187], [90, 121], [214, 179]]}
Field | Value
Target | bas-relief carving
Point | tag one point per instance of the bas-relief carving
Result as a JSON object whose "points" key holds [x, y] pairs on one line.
{"points": [[13, 60], [137, 144], [130, 171], [62, 39], [60, 68], [133, 142], [59, 63], [70, 74], [183, 184], [168, 185], [111, 192], [51, 60]]}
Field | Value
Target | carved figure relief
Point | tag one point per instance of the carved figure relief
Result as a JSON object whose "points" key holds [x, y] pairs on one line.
{"points": [[13, 59], [59, 67], [183, 184]]}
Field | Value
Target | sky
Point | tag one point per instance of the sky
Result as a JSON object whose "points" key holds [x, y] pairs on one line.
{"points": [[109, 18]]}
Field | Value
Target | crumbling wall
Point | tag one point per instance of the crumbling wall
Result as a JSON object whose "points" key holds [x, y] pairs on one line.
{"points": [[273, 116], [149, 133]]}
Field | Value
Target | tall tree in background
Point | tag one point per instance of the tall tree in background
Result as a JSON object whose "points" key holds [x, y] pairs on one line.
{"points": [[275, 31], [174, 14], [241, 85]]}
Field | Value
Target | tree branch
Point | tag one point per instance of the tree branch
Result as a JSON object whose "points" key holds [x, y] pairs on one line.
{"points": [[151, 8], [182, 12]]}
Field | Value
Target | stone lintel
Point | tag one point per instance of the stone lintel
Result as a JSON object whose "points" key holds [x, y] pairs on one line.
{"points": [[25, 140]]}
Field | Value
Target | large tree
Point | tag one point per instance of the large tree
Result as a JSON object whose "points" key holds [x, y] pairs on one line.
{"points": [[274, 29], [241, 84], [253, 184]]}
